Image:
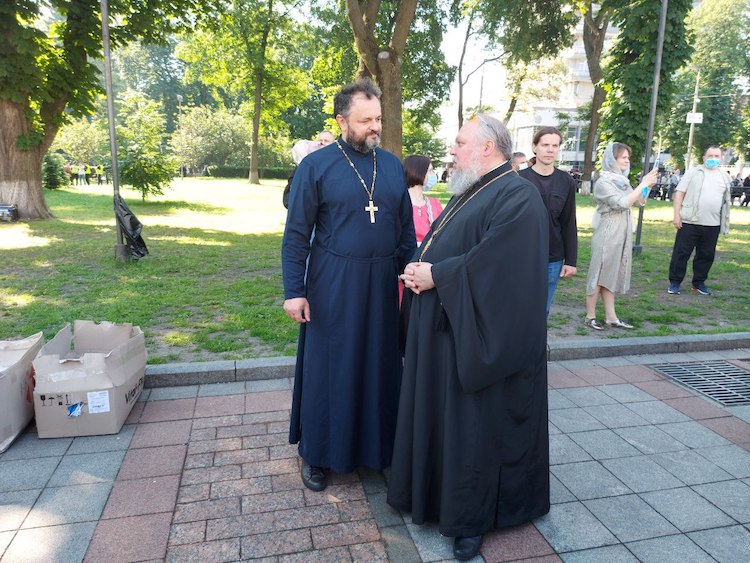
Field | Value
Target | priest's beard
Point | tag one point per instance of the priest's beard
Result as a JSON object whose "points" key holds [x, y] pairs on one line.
{"points": [[462, 180], [363, 143]]}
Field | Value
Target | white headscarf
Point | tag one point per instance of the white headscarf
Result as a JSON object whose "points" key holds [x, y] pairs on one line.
{"points": [[611, 170]]}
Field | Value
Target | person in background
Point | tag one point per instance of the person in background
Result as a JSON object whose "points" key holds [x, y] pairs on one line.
{"points": [[518, 161], [419, 177], [299, 151], [702, 202], [558, 191], [612, 241]]}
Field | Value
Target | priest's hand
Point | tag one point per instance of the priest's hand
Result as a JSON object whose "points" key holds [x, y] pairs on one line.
{"points": [[417, 276], [298, 309]]}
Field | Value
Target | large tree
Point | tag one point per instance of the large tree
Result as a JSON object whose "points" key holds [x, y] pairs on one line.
{"points": [[47, 75], [630, 70]]}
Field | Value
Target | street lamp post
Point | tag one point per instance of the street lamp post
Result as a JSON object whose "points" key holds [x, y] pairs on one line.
{"points": [[689, 155], [637, 248], [121, 250]]}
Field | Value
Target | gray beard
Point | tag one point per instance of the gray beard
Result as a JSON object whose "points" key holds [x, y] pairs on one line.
{"points": [[366, 145], [462, 180]]}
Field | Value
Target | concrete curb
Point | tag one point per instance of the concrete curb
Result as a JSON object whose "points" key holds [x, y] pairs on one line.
{"points": [[227, 371]]}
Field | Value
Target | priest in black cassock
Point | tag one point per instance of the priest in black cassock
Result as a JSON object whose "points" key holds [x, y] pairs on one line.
{"points": [[349, 233], [472, 449]]}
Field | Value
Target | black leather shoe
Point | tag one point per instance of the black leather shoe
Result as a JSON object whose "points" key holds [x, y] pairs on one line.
{"points": [[313, 477], [467, 548]]}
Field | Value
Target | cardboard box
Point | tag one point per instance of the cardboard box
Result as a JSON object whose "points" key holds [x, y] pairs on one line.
{"points": [[88, 381], [16, 386]]}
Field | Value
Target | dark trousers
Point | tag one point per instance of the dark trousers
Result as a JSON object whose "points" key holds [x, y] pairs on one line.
{"points": [[703, 241]]}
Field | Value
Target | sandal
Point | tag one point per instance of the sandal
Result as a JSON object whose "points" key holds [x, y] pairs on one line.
{"points": [[593, 323], [617, 323]]}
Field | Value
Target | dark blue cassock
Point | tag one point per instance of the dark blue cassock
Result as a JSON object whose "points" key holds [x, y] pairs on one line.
{"points": [[348, 373]]}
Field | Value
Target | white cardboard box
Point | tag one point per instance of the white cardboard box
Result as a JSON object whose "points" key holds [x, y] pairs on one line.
{"points": [[87, 381], [16, 386]]}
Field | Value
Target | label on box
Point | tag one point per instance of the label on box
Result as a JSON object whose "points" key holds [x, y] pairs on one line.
{"points": [[98, 401]]}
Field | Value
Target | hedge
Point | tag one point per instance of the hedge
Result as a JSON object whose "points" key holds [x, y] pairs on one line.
{"points": [[244, 172]]}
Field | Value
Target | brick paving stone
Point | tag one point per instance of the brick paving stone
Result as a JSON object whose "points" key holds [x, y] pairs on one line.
{"points": [[265, 440], [135, 413], [276, 543], [198, 434], [305, 517], [355, 510], [283, 452], [106, 443], [161, 434], [239, 526], [215, 551], [275, 467], [345, 534], [211, 474], [343, 478], [518, 542], [332, 555], [286, 482], [86, 468], [697, 408], [135, 538], [193, 493], [217, 422], [598, 376], [562, 380], [205, 509], [278, 427], [66, 505], [663, 389], [238, 457], [336, 493], [242, 430], [268, 401], [196, 461], [241, 487], [733, 429], [220, 406], [635, 373], [255, 504], [270, 416], [142, 496], [152, 462], [188, 532], [222, 445], [160, 411], [366, 552], [59, 543]]}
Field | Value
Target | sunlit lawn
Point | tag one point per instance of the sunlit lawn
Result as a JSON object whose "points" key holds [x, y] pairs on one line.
{"points": [[211, 287]]}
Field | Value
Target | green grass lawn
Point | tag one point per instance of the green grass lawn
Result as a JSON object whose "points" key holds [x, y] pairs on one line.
{"points": [[211, 287]]}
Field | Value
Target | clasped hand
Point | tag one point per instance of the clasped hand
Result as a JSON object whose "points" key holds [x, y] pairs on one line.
{"points": [[417, 276]]}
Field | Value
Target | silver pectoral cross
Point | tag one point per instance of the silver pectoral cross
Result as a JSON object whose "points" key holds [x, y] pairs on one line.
{"points": [[371, 208]]}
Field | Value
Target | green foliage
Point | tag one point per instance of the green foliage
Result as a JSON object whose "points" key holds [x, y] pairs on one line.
{"points": [[144, 163], [211, 137], [420, 139], [243, 172], [53, 171], [721, 35], [630, 67], [85, 139]]}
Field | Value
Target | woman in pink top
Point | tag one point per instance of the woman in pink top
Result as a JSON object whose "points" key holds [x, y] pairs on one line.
{"points": [[419, 176]]}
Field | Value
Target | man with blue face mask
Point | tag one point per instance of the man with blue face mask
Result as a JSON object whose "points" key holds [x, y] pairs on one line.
{"points": [[701, 211]]}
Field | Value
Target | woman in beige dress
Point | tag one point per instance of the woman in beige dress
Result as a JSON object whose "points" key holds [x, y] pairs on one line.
{"points": [[611, 243]]}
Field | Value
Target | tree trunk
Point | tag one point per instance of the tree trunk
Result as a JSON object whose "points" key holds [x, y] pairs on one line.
{"points": [[21, 170], [388, 76], [594, 33], [511, 109], [260, 72]]}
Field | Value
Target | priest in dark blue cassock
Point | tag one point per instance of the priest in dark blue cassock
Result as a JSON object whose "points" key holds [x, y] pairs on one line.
{"points": [[349, 234], [472, 446]]}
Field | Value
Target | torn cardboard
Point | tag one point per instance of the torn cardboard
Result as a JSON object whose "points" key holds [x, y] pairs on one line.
{"points": [[87, 381], [16, 386]]}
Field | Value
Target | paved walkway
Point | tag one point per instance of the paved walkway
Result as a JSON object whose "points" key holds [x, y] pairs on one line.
{"points": [[642, 470]]}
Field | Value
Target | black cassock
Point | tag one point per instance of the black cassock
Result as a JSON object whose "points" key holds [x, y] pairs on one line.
{"points": [[472, 445], [348, 371]]}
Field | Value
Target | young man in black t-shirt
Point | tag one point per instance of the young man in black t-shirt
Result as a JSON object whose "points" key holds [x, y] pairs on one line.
{"points": [[558, 191]]}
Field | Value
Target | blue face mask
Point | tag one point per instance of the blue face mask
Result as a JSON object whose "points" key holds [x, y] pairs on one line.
{"points": [[430, 182], [712, 162]]}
